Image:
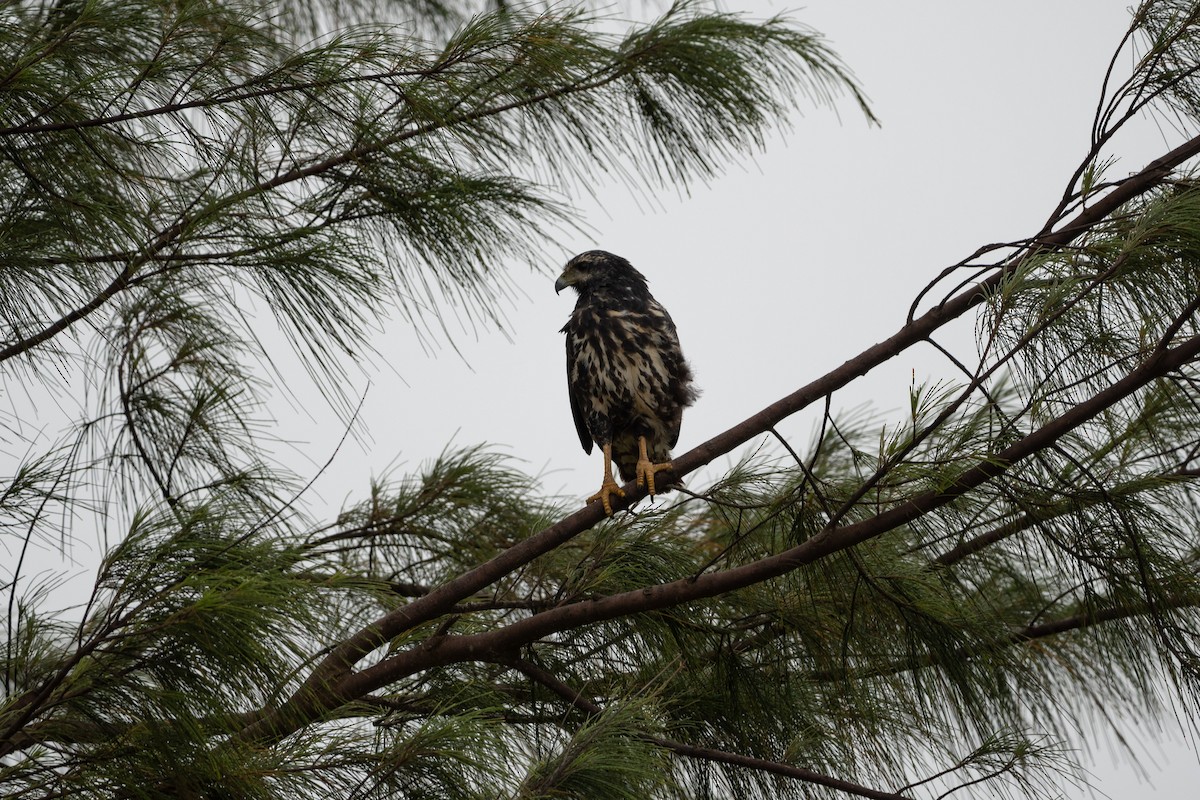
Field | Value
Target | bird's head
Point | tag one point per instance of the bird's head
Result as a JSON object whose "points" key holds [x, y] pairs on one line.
{"points": [[597, 269]]}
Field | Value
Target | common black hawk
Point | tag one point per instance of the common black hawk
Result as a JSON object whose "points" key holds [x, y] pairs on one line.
{"points": [[626, 375]]}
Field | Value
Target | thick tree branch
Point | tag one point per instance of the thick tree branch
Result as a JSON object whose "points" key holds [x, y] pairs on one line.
{"points": [[448, 649]]}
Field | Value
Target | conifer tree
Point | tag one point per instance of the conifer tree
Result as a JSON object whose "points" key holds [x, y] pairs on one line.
{"points": [[894, 609]]}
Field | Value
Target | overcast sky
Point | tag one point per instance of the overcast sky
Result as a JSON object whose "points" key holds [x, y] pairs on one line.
{"points": [[790, 263]]}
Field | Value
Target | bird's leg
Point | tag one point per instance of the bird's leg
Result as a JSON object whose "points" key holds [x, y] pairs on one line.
{"points": [[646, 468], [609, 486]]}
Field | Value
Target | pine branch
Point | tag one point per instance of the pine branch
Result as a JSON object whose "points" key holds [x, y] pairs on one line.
{"points": [[644, 59], [1030, 633], [581, 702], [999, 533], [446, 649]]}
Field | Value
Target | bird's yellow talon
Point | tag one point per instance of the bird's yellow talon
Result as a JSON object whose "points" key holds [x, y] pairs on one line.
{"points": [[646, 468], [645, 474], [607, 489]]}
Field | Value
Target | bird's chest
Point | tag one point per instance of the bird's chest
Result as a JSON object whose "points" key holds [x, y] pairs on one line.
{"points": [[618, 359]]}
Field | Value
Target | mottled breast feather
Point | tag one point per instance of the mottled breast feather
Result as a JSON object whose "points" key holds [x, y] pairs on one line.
{"points": [[626, 373]]}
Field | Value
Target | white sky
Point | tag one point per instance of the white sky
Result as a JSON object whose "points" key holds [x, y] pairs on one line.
{"points": [[792, 263]]}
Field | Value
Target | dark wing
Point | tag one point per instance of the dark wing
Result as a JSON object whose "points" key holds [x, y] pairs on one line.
{"points": [[680, 392], [576, 391]]}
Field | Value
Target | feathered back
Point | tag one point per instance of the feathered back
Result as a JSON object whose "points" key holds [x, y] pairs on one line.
{"points": [[626, 374]]}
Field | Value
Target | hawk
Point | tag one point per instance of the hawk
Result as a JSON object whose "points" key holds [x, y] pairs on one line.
{"points": [[626, 375]]}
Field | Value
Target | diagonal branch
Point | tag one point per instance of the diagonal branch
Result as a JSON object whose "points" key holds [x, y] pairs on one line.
{"points": [[446, 649]]}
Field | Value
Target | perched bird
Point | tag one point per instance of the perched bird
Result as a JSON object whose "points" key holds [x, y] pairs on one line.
{"points": [[626, 375]]}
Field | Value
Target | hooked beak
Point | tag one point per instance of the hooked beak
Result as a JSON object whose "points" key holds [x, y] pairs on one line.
{"points": [[561, 283]]}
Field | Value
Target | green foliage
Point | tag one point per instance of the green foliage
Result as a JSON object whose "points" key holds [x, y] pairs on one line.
{"points": [[600, 759]]}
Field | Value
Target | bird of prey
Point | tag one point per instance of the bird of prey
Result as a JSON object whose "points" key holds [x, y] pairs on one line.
{"points": [[626, 375]]}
